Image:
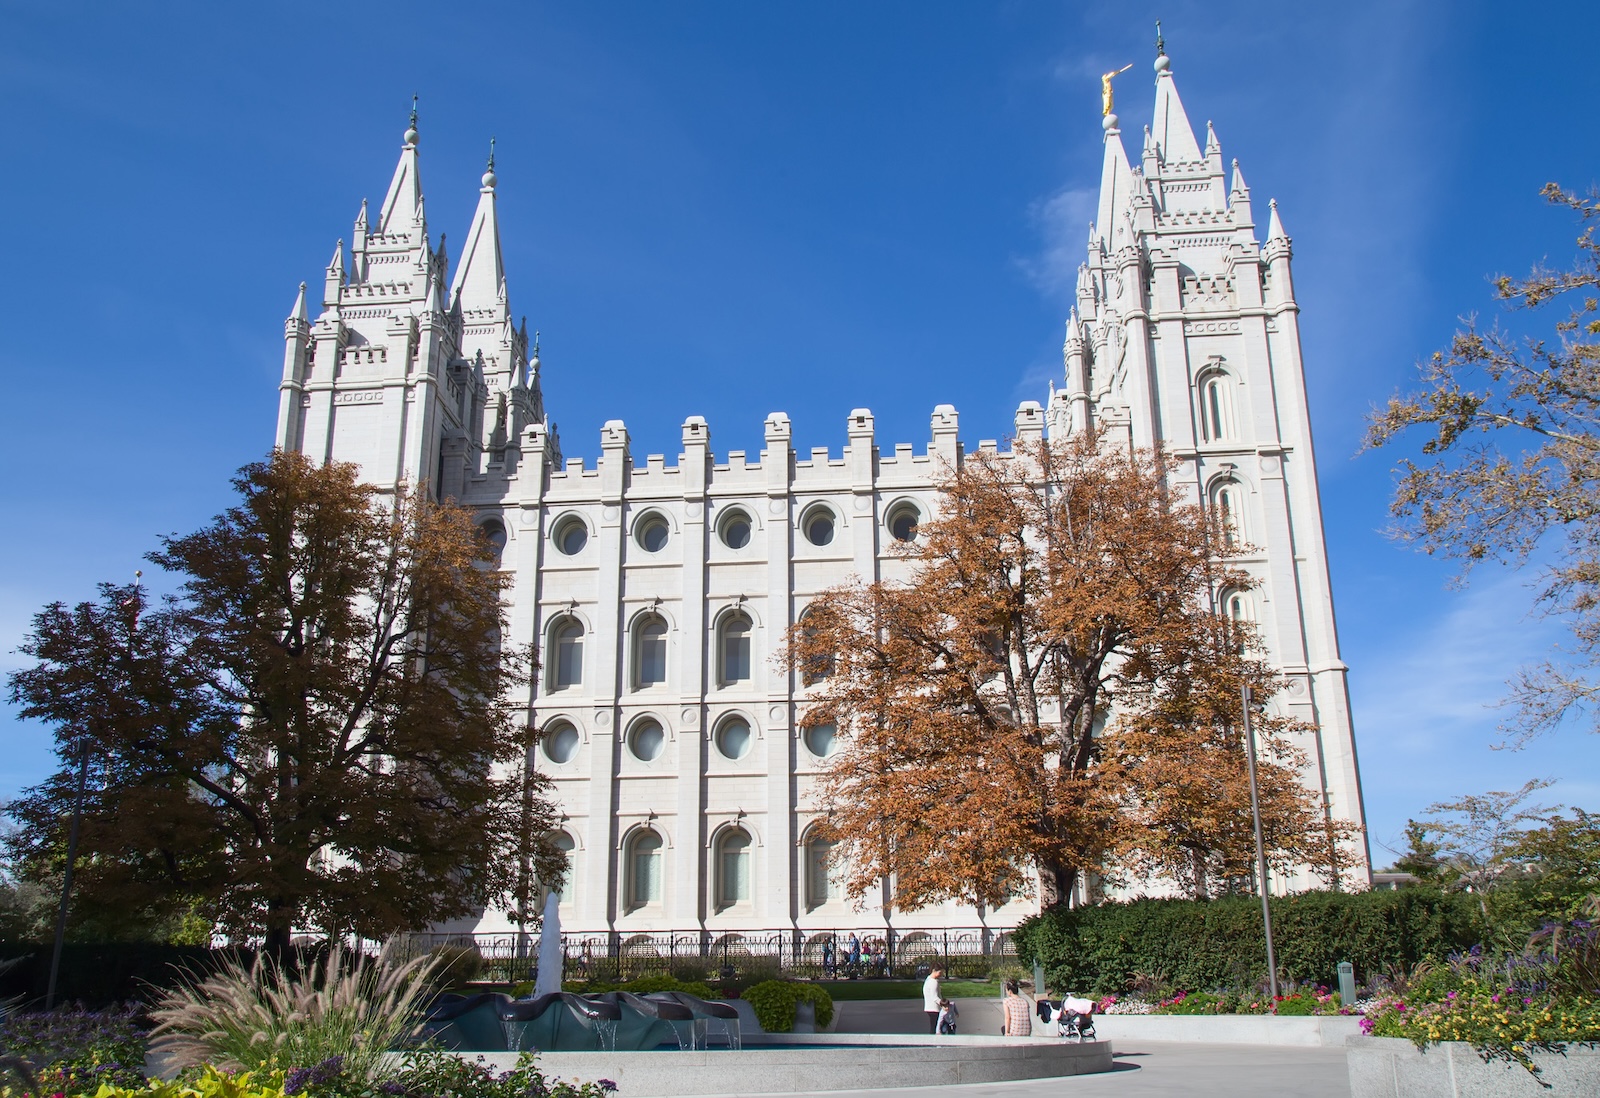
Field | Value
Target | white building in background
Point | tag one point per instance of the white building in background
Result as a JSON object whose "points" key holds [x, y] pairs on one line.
{"points": [[658, 592]]}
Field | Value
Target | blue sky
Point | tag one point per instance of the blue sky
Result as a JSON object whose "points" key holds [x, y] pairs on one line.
{"points": [[727, 209]]}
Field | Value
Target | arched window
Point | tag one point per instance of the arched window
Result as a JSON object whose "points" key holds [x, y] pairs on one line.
{"points": [[1216, 406], [1227, 502], [1236, 606], [563, 842], [644, 874], [814, 668], [494, 539], [561, 742], [733, 868], [566, 646], [649, 652], [733, 649], [819, 873]]}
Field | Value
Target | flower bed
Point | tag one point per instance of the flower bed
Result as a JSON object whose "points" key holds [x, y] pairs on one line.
{"points": [[1300, 1004]]}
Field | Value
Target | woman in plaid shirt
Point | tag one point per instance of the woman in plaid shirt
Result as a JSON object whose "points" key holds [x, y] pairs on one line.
{"points": [[1018, 1015]]}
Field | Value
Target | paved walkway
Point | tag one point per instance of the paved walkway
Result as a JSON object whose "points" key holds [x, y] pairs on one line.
{"points": [[1155, 1068]]}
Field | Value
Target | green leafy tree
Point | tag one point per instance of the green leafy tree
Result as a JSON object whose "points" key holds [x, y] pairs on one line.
{"points": [[1421, 858], [315, 731], [1512, 462]]}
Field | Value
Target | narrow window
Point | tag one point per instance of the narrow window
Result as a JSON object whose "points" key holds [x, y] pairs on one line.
{"points": [[735, 649], [644, 870], [1213, 410], [733, 869], [1229, 499], [563, 842], [820, 887], [568, 664], [650, 653]]}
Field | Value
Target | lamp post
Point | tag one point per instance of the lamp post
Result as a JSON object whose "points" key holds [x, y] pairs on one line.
{"points": [[1261, 850], [77, 827]]}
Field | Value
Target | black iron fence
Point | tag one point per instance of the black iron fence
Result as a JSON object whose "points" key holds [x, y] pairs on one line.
{"points": [[721, 956]]}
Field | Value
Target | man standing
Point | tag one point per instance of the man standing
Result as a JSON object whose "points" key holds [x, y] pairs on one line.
{"points": [[932, 999]]}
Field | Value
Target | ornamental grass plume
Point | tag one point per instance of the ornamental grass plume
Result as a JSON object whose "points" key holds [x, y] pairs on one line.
{"points": [[266, 1017]]}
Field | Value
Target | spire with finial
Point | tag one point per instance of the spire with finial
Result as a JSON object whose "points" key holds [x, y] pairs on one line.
{"points": [[1163, 64], [299, 312], [1275, 226], [488, 175], [480, 279], [411, 130], [402, 205]]}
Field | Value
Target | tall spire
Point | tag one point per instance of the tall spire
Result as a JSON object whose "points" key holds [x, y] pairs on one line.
{"points": [[299, 311], [1275, 226], [1171, 128], [404, 201], [480, 275]]}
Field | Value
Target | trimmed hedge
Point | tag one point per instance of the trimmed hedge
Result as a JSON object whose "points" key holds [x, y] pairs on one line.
{"points": [[1200, 945], [102, 975]]}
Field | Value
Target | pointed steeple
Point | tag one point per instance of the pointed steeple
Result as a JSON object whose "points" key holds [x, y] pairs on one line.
{"points": [[1116, 184], [298, 314], [479, 282], [1170, 125], [333, 283], [402, 206], [1238, 180], [1213, 146], [1274, 225]]}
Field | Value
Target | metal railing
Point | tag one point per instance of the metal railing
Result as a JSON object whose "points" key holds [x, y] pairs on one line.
{"points": [[717, 956]]}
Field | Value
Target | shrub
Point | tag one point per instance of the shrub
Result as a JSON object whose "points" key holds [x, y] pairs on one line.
{"points": [[430, 1075], [1113, 947], [646, 985], [203, 1083], [455, 965], [774, 1002], [267, 1018], [107, 974]]}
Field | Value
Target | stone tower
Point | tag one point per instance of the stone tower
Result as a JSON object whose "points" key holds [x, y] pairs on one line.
{"points": [[1185, 334]]}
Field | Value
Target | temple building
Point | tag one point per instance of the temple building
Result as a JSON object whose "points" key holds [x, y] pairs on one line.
{"points": [[658, 591]]}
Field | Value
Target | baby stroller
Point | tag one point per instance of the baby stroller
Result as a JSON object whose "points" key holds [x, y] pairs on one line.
{"points": [[1073, 1017], [947, 1017]]}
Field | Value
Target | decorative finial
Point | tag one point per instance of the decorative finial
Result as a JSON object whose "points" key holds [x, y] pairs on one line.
{"points": [[1163, 63], [411, 130], [536, 343], [488, 175], [491, 154]]}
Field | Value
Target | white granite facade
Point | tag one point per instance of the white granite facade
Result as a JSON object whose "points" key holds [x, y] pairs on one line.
{"points": [[658, 592]]}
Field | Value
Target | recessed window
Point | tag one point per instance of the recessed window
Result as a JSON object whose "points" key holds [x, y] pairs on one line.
{"points": [[644, 870], [494, 537], [818, 526], [647, 740], [651, 533], [819, 739], [566, 641], [820, 886], [1216, 407], [1227, 501], [561, 742], [733, 738], [571, 536], [733, 868], [650, 652], [733, 649], [564, 843], [735, 529], [903, 522]]}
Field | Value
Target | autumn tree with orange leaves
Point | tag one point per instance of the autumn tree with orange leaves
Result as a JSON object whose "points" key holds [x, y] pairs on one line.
{"points": [[1061, 588]]}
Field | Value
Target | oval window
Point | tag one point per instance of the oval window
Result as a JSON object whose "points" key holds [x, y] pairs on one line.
{"points": [[819, 527], [733, 738], [652, 534], [571, 536], [903, 523], [561, 743], [736, 530], [819, 740], [647, 741]]}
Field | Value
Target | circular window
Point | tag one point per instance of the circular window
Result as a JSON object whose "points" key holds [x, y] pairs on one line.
{"points": [[647, 741], [903, 522], [571, 536], [561, 742], [819, 740], [736, 530], [733, 738], [494, 537], [651, 533], [819, 526]]}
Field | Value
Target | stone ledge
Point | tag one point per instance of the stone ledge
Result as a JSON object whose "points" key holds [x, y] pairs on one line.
{"points": [[1329, 1030], [1391, 1067]]}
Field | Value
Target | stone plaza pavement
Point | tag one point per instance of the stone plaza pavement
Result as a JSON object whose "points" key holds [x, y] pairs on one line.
{"points": [[1150, 1068]]}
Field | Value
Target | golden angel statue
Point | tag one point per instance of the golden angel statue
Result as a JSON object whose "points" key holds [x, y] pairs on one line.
{"points": [[1105, 87]]}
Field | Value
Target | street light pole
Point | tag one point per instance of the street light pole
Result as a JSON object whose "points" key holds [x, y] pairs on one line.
{"points": [[1261, 850]]}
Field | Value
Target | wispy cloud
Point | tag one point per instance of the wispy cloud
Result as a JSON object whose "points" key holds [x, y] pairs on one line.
{"points": [[1062, 221]]}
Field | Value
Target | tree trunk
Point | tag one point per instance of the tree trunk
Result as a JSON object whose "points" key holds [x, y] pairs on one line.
{"points": [[1057, 883]]}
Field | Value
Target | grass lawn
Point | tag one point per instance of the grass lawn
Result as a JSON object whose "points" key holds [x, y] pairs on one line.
{"points": [[844, 991]]}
